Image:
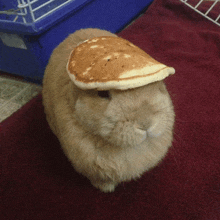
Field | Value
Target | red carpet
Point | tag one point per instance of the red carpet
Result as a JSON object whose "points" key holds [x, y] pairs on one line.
{"points": [[37, 181]]}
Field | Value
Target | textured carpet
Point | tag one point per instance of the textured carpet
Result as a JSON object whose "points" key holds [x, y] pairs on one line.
{"points": [[38, 182]]}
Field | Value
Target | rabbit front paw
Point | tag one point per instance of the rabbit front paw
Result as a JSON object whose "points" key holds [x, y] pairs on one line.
{"points": [[105, 187]]}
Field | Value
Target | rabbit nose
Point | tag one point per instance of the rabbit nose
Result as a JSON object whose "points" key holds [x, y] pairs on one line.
{"points": [[140, 135], [155, 130]]}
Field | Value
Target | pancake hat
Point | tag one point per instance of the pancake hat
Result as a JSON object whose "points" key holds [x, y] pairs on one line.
{"points": [[105, 63]]}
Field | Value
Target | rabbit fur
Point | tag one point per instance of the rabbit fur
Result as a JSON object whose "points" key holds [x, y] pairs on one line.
{"points": [[108, 140]]}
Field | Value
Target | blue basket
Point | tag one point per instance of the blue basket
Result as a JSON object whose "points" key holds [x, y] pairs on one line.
{"points": [[28, 37]]}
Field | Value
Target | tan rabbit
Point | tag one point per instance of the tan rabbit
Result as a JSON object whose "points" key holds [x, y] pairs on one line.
{"points": [[109, 136]]}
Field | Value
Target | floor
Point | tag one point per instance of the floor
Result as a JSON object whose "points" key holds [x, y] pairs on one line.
{"points": [[14, 93]]}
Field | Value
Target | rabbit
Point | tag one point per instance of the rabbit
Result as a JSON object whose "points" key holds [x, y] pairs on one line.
{"points": [[109, 136]]}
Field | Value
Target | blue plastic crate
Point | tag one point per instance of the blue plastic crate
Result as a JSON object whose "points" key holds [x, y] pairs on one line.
{"points": [[31, 29]]}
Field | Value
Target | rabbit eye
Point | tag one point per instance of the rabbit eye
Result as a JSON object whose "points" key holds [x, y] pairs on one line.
{"points": [[104, 94]]}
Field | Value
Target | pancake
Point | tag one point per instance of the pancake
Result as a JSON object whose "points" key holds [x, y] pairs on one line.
{"points": [[108, 62]]}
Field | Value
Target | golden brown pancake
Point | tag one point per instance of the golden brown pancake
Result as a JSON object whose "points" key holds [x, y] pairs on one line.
{"points": [[105, 63]]}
